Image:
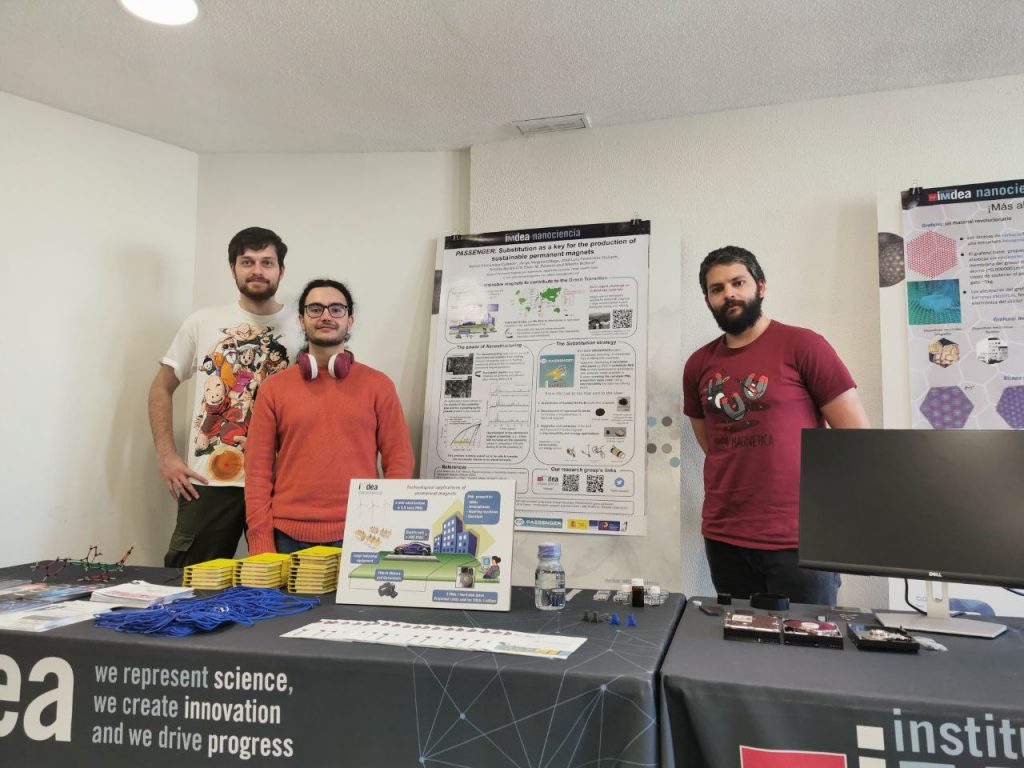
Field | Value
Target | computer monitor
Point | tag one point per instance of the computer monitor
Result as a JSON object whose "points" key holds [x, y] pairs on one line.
{"points": [[940, 505]]}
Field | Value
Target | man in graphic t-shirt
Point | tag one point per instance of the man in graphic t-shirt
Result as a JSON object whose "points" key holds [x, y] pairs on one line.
{"points": [[748, 395], [231, 350]]}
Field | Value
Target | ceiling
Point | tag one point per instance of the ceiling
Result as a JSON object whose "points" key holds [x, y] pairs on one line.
{"points": [[406, 75]]}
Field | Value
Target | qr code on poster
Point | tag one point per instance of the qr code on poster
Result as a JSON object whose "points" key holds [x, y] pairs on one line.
{"points": [[570, 483], [622, 318], [595, 483]]}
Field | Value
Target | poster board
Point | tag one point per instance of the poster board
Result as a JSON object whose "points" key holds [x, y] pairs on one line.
{"points": [[428, 544], [537, 372], [964, 261], [973, 235]]}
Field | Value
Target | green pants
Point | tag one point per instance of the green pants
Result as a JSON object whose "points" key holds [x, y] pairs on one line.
{"points": [[208, 527]]}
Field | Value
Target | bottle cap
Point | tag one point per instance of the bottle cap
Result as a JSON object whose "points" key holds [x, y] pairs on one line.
{"points": [[549, 551], [636, 582]]}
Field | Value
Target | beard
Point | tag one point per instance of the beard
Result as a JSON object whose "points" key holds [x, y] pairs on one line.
{"points": [[737, 324], [327, 337], [257, 291]]}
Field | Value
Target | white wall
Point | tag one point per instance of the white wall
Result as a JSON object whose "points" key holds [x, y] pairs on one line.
{"points": [[101, 234], [99, 237], [369, 220], [796, 184]]}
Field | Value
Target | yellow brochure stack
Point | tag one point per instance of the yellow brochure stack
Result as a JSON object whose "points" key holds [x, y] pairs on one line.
{"points": [[213, 574], [314, 570], [268, 570]]}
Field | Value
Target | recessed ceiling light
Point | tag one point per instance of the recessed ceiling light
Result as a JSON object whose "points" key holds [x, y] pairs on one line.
{"points": [[169, 12], [555, 124]]}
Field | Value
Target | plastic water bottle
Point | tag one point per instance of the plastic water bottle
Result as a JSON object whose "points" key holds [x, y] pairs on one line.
{"points": [[549, 582]]}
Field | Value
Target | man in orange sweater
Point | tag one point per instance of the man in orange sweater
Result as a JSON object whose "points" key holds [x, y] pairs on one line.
{"points": [[315, 427]]}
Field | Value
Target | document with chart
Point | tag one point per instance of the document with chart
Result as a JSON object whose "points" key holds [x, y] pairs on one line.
{"points": [[538, 370]]}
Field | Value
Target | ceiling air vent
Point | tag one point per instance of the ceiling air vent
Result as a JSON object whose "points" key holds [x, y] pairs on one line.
{"points": [[552, 124]]}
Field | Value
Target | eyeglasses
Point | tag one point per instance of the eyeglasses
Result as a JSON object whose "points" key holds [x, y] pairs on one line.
{"points": [[336, 310]]}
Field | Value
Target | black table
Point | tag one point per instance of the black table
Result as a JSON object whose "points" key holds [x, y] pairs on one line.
{"points": [[866, 708], [342, 704]]}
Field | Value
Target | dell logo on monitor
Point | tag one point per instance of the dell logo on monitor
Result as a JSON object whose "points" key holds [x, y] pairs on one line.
{"points": [[935, 574]]}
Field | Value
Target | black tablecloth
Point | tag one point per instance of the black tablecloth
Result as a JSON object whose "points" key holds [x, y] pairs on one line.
{"points": [[345, 704], [963, 707]]}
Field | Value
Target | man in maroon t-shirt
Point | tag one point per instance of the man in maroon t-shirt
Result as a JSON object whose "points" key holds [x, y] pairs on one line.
{"points": [[749, 394]]}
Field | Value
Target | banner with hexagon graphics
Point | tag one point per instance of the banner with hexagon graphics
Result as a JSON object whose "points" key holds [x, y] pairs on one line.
{"points": [[951, 346], [963, 268]]}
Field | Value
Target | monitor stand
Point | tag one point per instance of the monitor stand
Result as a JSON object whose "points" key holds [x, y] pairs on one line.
{"points": [[938, 619]]}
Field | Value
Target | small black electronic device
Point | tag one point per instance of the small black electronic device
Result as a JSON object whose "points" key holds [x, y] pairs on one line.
{"points": [[875, 637], [710, 610], [769, 601]]}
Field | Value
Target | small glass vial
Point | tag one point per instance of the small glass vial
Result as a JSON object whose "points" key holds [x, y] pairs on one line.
{"points": [[549, 581], [637, 591]]}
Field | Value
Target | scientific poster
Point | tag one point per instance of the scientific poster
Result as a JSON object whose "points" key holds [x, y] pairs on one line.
{"points": [[929, 383], [537, 372], [428, 544], [963, 250]]}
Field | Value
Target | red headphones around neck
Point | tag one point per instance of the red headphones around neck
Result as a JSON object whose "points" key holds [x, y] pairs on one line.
{"points": [[338, 366]]}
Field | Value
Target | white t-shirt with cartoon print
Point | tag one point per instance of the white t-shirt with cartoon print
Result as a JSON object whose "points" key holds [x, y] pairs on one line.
{"points": [[231, 352]]}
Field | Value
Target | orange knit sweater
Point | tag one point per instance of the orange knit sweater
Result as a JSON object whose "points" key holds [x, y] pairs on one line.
{"points": [[322, 433]]}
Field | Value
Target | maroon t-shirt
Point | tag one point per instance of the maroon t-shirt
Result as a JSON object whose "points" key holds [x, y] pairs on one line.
{"points": [[755, 401]]}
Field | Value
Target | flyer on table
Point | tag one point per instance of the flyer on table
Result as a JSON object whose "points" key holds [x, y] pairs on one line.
{"points": [[538, 370], [964, 250], [428, 544]]}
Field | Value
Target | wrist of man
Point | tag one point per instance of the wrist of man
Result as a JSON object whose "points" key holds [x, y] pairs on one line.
{"points": [[165, 455]]}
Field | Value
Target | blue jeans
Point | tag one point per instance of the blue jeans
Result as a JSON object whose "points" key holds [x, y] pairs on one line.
{"points": [[285, 544], [741, 571]]}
